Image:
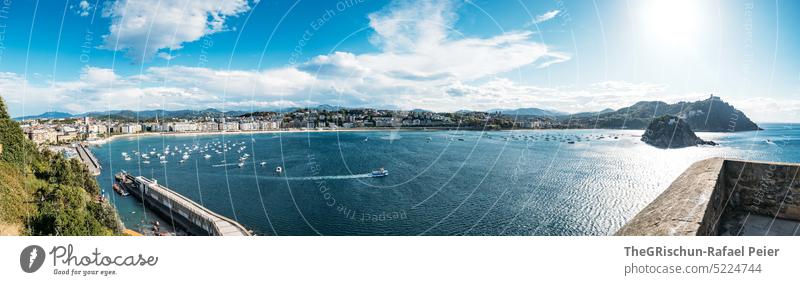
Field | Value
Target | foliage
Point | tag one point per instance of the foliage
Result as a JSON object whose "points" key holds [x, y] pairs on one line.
{"points": [[46, 193]]}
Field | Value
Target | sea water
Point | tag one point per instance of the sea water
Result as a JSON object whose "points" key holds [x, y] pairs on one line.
{"points": [[441, 182]]}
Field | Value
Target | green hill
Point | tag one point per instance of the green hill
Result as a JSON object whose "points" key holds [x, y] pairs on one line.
{"points": [[42, 193], [710, 115]]}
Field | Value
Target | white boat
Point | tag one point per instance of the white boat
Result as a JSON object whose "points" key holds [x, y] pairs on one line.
{"points": [[185, 156], [146, 162], [379, 173], [278, 170], [163, 162], [207, 156], [241, 164], [263, 163], [127, 158]]}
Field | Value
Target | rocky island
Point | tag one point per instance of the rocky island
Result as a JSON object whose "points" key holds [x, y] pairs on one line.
{"points": [[670, 131]]}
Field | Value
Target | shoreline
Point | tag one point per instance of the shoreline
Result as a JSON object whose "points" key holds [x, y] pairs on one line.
{"points": [[188, 134]]}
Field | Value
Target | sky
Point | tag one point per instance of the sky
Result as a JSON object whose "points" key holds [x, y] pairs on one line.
{"points": [[447, 55]]}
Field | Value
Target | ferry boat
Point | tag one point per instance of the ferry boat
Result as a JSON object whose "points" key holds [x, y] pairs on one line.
{"points": [[379, 173]]}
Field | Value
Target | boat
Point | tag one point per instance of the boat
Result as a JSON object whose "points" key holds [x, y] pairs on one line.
{"points": [[127, 158], [119, 190], [379, 173], [241, 164], [163, 162], [146, 162], [263, 163], [207, 156], [278, 170]]}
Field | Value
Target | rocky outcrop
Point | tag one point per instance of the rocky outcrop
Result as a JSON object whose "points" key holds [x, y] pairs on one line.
{"points": [[671, 132]]}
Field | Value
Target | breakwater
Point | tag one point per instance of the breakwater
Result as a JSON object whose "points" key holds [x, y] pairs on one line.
{"points": [[190, 216]]}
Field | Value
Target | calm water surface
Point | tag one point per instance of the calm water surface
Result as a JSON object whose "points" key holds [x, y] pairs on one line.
{"points": [[440, 182]]}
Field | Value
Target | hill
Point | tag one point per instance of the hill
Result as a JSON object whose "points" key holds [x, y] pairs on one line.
{"points": [[528, 112], [709, 115], [161, 114], [46, 115], [43, 193], [671, 132]]}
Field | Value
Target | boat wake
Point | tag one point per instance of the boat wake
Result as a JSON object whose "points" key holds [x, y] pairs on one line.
{"points": [[311, 178]]}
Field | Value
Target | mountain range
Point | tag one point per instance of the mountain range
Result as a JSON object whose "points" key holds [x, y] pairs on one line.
{"points": [[710, 115]]}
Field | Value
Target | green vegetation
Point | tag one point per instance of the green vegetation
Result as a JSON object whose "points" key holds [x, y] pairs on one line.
{"points": [[42, 193], [710, 115]]}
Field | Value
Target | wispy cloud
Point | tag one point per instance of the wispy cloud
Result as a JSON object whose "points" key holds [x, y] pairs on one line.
{"points": [[546, 16]]}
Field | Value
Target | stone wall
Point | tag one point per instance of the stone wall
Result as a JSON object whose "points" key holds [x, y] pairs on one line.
{"points": [[769, 189], [695, 203], [690, 205]]}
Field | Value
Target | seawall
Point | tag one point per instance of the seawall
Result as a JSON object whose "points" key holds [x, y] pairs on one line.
{"points": [[719, 196]]}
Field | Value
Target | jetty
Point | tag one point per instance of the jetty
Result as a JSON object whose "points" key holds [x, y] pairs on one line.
{"points": [[190, 216], [88, 159]]}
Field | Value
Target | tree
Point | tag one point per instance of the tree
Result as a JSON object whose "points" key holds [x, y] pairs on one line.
{"points": [[3, 110]]}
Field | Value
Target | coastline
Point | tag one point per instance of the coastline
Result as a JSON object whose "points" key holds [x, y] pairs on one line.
{"points": [[188, 134]]}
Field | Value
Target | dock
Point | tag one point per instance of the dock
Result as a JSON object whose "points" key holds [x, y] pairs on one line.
{"points": [[88, 159], [190, 216]]}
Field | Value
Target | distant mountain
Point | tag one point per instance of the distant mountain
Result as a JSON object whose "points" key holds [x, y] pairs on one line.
{"points": [[709, 115], [529, 112], [46, 115], [161, 114], [328, 108]]}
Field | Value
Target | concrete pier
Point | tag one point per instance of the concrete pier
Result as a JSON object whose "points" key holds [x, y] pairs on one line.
{"points": [[86, 156], [190, 216]]}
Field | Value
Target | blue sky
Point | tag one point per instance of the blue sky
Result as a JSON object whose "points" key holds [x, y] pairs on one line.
{"points": [[573, 56]]}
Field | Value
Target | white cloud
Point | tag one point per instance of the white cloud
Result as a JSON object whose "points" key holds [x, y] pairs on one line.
{"points": [[420, 45], [546, 16], [83, 8], [142, 28], [763, 109], [418, 63], [165, 55]]}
